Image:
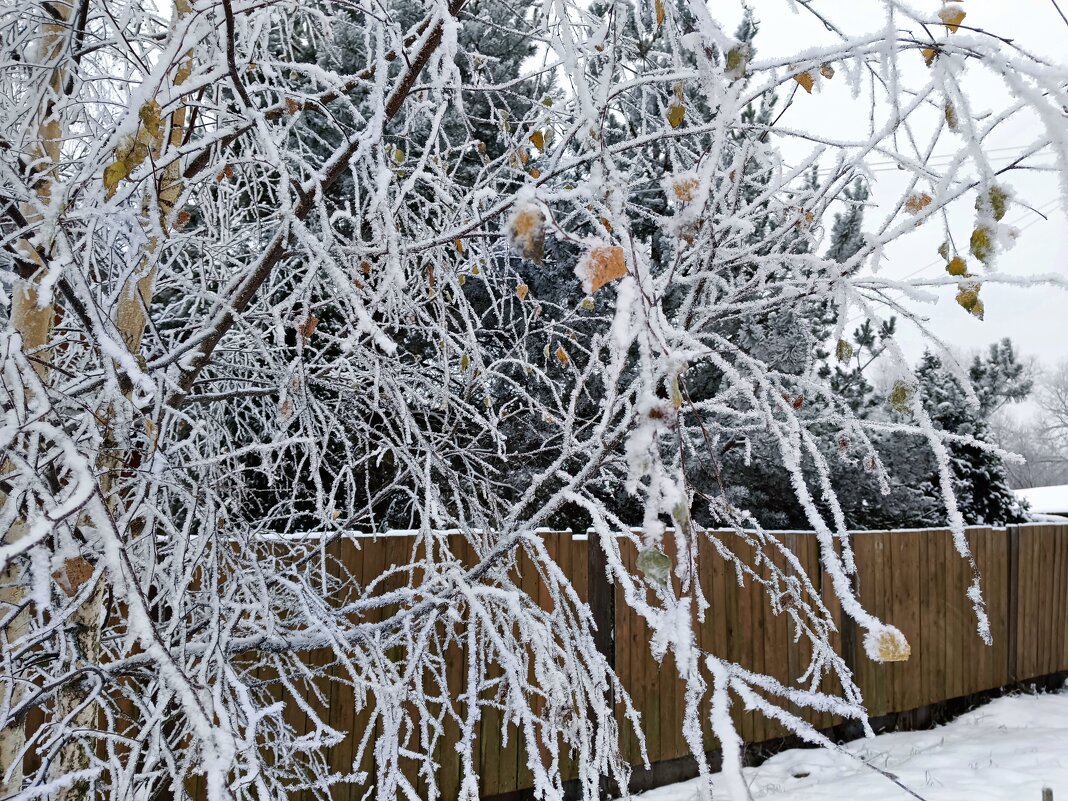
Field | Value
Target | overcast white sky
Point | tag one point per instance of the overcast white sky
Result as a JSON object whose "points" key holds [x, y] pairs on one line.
{"points": [[1036, 318]]}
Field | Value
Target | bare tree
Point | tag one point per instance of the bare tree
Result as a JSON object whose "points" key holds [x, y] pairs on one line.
{"points": [[1042, 440], [239, 241]]}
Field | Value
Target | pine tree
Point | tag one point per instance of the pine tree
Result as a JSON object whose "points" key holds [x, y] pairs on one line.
{"points": [[980, 481]]}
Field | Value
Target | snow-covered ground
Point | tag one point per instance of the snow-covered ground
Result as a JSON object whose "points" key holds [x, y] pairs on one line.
{"points": [[1007, 750]]}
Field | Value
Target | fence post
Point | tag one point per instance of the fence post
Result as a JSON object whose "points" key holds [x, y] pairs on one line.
{"points": [[1013, 533], [601, 597]]}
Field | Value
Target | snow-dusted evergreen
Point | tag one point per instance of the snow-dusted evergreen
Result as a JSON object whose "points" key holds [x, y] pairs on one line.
{"points": [[293, 266]]}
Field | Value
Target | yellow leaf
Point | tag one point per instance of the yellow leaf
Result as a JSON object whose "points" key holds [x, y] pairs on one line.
{"points": [[952, 15], [982, 244], [994, 201], [659, 13], [889, 645], [968, 298], [951, 116], [806, 80], [150, 118], [676, 114], [522, 291], [929, 55], [737, 61], [901, 396], [114, 173], [561, 355], [465, 361], [957, 266], [538, 140], [535, 172], [676, 392], [917, 202], [459, 245], [602, 264]]}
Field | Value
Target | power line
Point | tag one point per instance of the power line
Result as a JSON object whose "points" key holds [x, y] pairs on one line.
{"points": [[940, 160]]}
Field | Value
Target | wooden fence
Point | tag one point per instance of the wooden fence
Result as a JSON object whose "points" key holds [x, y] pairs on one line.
{"points": [[914, 580]]}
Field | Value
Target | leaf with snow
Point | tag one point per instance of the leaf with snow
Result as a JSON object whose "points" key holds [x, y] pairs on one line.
{"points": [[601, 265]]}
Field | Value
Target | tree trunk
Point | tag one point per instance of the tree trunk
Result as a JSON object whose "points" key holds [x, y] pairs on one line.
{"points": [[33, 321]]}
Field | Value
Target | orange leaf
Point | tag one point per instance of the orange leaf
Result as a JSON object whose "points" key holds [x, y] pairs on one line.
{"points": [[521, 291], [952, 15], [806, 80], [685, 187], [307, 328], [561, 355], [917, 202], [75, 573], [602, 264], [527, 234]]}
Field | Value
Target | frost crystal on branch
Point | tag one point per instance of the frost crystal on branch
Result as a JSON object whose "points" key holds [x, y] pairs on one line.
{"points": [[278, 276]]}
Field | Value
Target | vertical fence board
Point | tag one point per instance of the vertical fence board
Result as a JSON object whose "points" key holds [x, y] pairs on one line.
{"points": [[1025, 615], [979, 652], [1057, 607], [843, 640], [951, 601], [906, 572]]}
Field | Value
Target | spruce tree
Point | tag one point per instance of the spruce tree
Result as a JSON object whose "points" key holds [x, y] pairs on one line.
{"points": [[980, 481]]}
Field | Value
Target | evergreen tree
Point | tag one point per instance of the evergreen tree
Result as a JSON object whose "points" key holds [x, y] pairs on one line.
{"points": [[1000, 378], [980, 481]]}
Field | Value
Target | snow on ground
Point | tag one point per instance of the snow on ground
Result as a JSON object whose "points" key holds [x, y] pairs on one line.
{"points": [[1007, 750]]}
